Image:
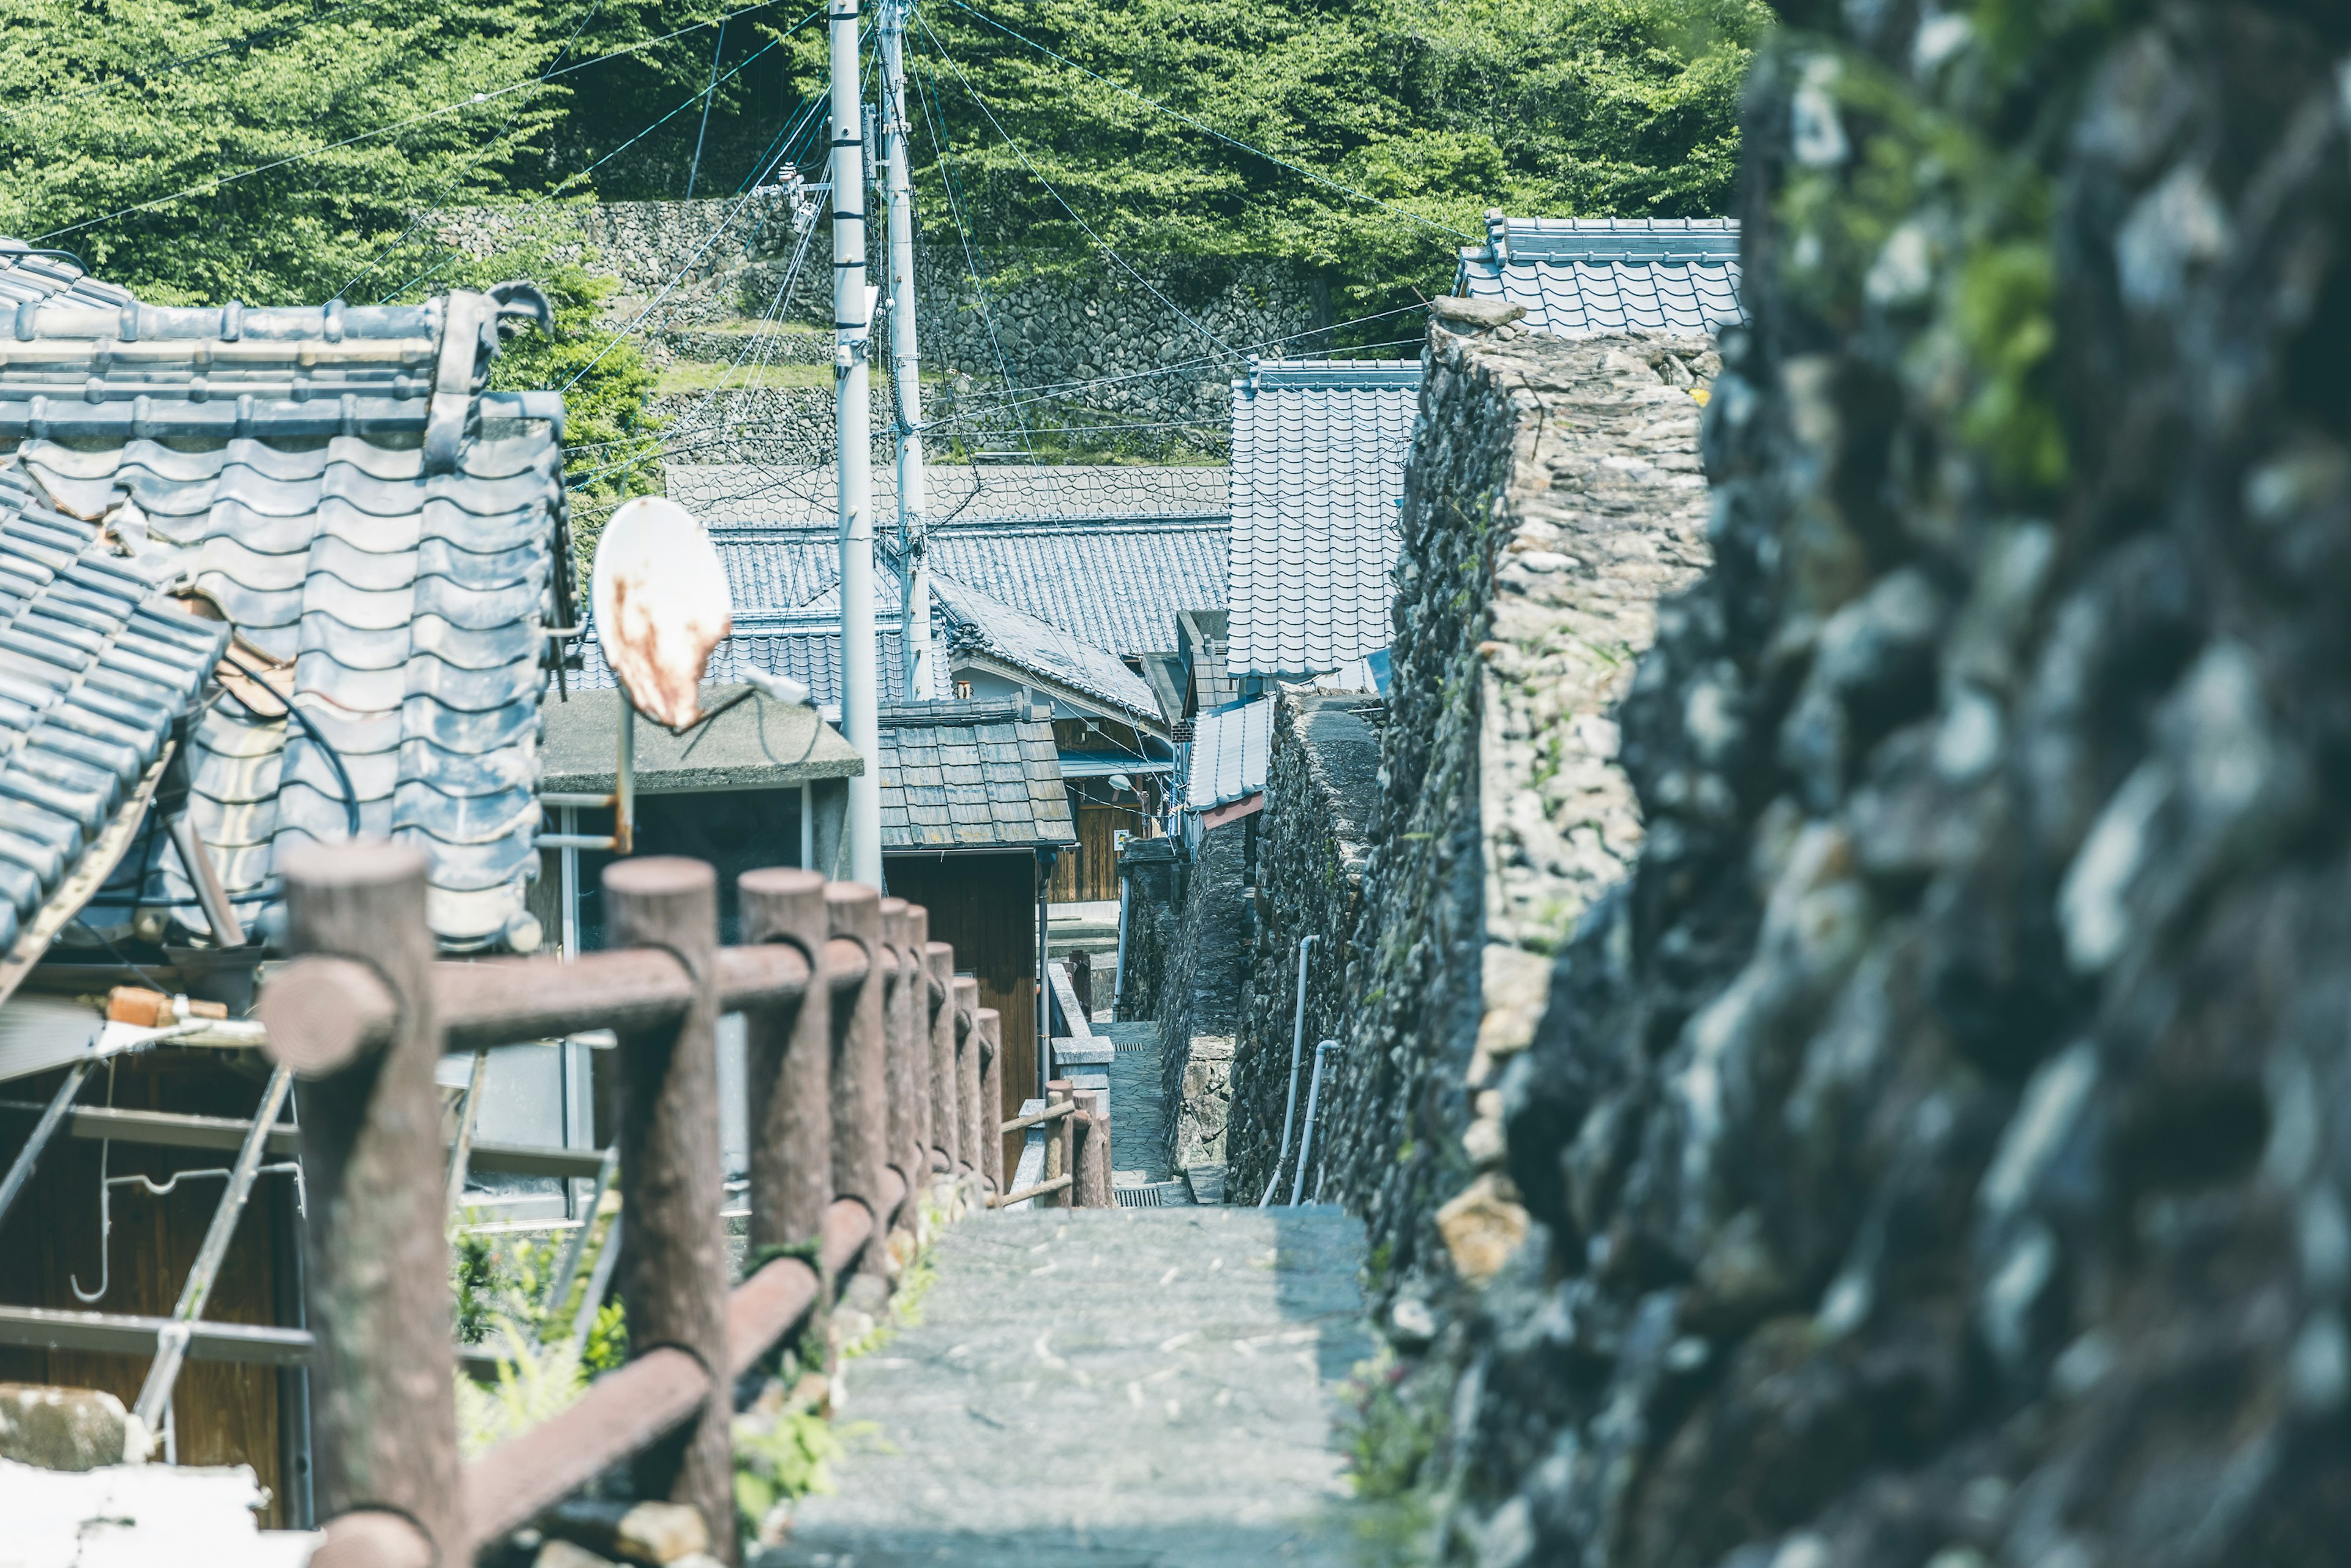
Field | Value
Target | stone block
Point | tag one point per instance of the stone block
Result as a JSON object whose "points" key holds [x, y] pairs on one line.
{"points": [[63, 1428]]}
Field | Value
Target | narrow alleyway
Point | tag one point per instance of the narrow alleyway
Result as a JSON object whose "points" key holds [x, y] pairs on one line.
{"points": [[1121, 1388]]}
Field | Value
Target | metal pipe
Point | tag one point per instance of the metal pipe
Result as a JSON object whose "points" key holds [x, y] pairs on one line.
{"points": [[853, 421], [572, 841], [171, 1341], [211, 896], [907, 380], [708, 94], [1306, 1135], [1297, 1046], [578, 798], [625, 783], [461, 1148], [20, 1172], [1118, 981]]}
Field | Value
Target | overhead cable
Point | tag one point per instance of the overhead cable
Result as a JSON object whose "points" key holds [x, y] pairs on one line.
{"points": [[473, 102], [1039, 175]]}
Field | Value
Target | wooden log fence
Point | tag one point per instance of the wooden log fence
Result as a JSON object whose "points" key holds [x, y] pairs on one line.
{"points": [[871, 1072]]}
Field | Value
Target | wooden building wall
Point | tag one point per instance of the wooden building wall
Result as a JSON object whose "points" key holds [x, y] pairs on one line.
{"points": [[986, 905], [223, 1412]]}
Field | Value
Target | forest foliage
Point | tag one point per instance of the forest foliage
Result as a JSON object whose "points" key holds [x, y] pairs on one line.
{"points": [[291, 151], [197, 151]]}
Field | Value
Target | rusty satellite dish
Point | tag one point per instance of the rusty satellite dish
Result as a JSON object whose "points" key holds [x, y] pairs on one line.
{"points": [[662, 605]]}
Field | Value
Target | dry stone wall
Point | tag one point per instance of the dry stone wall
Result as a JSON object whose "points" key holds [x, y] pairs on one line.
{"points": [[1938, 1153], [1322, 780], [1151, 352], [1199, 995], [1551, 497]]}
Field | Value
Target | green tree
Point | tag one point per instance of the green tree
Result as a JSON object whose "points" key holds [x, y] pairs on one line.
{"points": [[1429, 112], [198, 152]]}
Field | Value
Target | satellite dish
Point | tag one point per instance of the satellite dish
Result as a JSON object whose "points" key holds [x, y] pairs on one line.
{"points": [[662, 605]]}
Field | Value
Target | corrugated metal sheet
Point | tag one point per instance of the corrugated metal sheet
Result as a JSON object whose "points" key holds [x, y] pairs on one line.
{"points": [[97, 665], [1230, 750], [1319, 452], [396, 553], [970, 776], [1578, 277]]}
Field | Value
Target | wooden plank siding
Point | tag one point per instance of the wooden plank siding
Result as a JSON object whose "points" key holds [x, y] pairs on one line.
{"points": [[1089, 873], [986, 905], [222, 1413]]}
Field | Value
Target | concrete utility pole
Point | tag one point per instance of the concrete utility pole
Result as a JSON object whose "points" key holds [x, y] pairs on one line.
{"points": [[916, 576], [852, 320]]}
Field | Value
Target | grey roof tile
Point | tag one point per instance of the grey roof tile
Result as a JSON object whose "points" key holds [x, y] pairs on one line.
{"points": [[277, 459], [1228, 755], [1319, 451], [1585, 277], [1107, 555], [118, 663], [1001, 799]]}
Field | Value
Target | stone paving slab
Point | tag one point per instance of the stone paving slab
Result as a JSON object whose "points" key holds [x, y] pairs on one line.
{"points": [[1117, 1389]]}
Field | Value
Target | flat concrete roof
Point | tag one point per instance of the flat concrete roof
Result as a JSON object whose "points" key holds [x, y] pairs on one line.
{"points": [[753, 742]]}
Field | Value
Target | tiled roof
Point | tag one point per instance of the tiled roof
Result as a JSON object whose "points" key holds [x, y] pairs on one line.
{"points": [[1229, 749], [809, 653], [1582, 277], [1116, 586], [337, 482], [970, 776], [1125, 550], [1318, 468], [97, 666], [29, 278], [981, 625]]}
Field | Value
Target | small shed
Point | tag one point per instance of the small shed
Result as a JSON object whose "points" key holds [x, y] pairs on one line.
{"points": [[757, 782], [974, 814]]}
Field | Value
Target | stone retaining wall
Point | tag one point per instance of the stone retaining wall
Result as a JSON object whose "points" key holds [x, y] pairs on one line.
{"points": [[1553, 496], [1322, 778], [1201, 998], [1939, 1151], [1161, 344]]}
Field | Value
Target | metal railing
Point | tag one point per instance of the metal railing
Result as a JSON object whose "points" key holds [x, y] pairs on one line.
{"points": [[863, 1087]]}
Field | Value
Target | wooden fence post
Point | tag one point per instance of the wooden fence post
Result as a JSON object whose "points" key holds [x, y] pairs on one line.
{"points": [[974, 1132], [859, 1126], [991, 1096], [938, 1012], [381, 1417], [1091, 1188], [1059, 1143], [788, 1066], [672, 1265], [903, 1052]]}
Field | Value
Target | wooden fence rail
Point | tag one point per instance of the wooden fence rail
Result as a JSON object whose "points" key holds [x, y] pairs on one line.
{"points": [[872, 1072]]}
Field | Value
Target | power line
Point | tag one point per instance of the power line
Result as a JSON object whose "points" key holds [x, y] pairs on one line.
{"points": [[543, 199], [1211, 131], [675, 278], [1040, 177], [426, 211], [942, 146]]}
